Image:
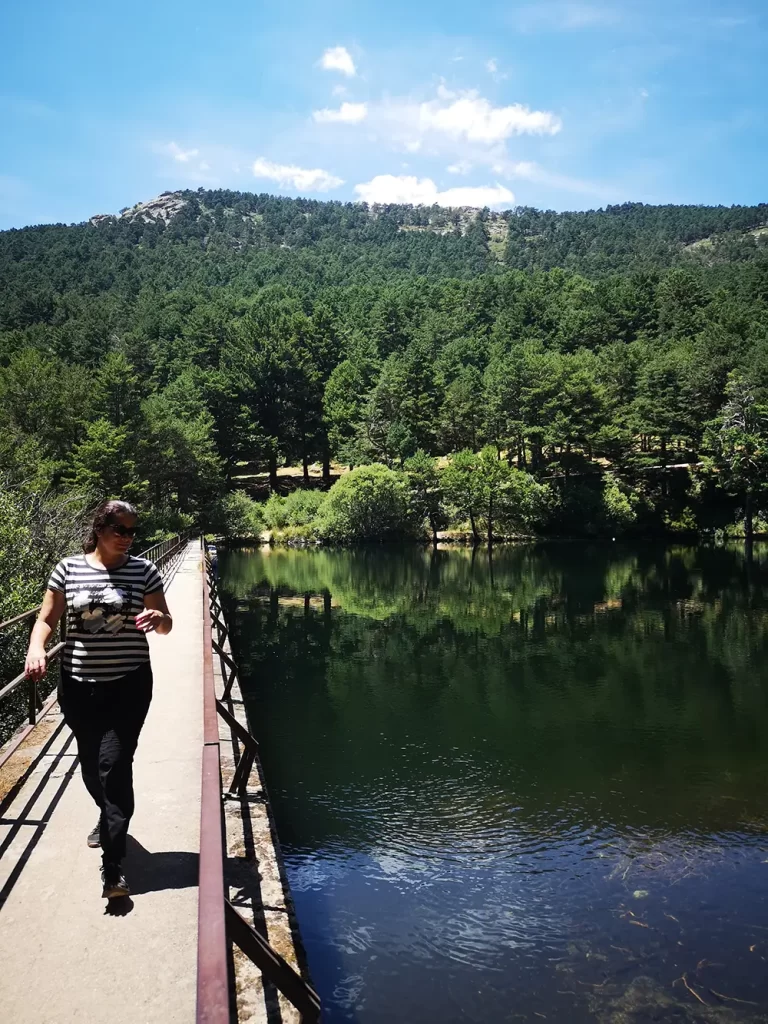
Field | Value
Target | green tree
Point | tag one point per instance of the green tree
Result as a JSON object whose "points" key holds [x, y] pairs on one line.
{"points": [[425, 491], [461, 414], [47, 400], [502, 405], [345, 393], [259, 371], [463, 488], [738, 446], [663, 408], [511, 499], [179, 460], [577, 412], [401, 411], [104, 463], [117, 390]]}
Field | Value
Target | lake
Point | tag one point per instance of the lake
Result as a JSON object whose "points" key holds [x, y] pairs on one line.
{"points": [[520, 787]]}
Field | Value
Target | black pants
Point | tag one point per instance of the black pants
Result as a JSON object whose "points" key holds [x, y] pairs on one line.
{"points": [[106, 719]]}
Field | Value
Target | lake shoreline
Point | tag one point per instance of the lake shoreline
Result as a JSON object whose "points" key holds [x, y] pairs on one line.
{"points": [[447, 540]]}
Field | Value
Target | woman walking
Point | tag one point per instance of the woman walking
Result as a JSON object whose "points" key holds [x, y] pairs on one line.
{"points": [[112, 600]]}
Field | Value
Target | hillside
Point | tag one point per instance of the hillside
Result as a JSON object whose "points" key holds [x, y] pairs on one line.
{"points": [[247, 240], [156, 351]]}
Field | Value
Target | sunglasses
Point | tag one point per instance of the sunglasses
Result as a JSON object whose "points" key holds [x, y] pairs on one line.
{"points": [[124, 531]]}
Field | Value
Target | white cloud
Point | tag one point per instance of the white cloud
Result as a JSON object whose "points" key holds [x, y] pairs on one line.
{"points": [[204, 166], [339, 90], [303, 179], [182, 155], [471, 116], [338, 58], [462, 167], [349, 113], [454, 120], [403, 188]]}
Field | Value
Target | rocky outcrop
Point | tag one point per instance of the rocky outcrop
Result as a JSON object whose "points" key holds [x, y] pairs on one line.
{"points": [[163, 207], [435, 220]]}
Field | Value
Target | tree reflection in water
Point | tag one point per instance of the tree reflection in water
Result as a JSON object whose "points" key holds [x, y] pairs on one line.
{"points": [[500, 781]]}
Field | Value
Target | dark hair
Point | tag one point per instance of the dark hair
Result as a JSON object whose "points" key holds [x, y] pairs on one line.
{"points": [[105, 515]]}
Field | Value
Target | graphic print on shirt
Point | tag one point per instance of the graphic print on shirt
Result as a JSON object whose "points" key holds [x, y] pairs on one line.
{"points": [[101, 609]]}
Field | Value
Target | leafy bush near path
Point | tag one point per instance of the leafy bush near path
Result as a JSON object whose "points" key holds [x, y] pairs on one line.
{"points": [[241, 516], [370, 503], [302, 507], [299, 508]]}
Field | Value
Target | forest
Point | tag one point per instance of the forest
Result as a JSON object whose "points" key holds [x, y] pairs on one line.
{"points": [[500, 374]]}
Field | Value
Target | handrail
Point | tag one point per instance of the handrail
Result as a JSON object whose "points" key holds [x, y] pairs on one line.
{"points": [[212, 968], [160, 552], [213, 977], [20, 618], [10, 687]]}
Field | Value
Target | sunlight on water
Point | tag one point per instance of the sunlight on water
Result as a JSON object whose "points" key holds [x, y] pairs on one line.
{"points": [[524, 787]]}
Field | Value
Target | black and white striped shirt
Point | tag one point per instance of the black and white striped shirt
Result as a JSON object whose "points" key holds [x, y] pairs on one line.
{"points": [[103, 641]]}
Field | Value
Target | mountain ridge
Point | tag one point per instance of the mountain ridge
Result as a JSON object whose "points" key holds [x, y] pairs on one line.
{"points": [[613, 238]]}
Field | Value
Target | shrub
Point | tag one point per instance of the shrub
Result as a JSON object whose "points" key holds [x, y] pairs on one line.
{"points": [[595, 508], [241, 515], [618, 506], [370, 503], [301, 507], [684, 523], [524, 505], [273, 511]]}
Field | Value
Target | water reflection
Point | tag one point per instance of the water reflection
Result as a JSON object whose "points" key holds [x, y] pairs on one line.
{"points": [[532, 785]]}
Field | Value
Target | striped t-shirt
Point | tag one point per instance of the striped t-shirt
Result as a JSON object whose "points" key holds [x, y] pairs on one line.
{"points": [[103, 641]]}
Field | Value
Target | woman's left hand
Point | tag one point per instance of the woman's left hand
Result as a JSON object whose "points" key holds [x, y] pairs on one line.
{"points": [[149, 620]]}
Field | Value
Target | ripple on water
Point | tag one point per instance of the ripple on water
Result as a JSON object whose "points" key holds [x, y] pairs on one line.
{"points": [[550, 799]]}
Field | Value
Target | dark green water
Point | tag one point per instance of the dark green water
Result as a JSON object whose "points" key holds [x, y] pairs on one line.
{"points": [[528, 788]]}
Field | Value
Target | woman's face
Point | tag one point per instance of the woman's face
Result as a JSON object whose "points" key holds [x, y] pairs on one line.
{"points": [[117, 538]]}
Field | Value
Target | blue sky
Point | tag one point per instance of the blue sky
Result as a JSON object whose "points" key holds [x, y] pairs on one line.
{"points": [[563, 105]]}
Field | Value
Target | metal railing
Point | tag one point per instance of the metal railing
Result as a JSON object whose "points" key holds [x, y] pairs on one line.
{"points": [[218, 920], [166, 555]]}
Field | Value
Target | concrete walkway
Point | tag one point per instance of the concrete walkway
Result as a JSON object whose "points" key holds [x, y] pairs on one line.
{"points": [[63, 958]]}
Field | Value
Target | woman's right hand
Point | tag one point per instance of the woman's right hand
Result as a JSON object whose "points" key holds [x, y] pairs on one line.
{"points": [[36, 664], [51, 610]]}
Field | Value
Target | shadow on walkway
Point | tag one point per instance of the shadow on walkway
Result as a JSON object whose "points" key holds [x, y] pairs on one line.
{"points": [[20, 818], [154, 872]]}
